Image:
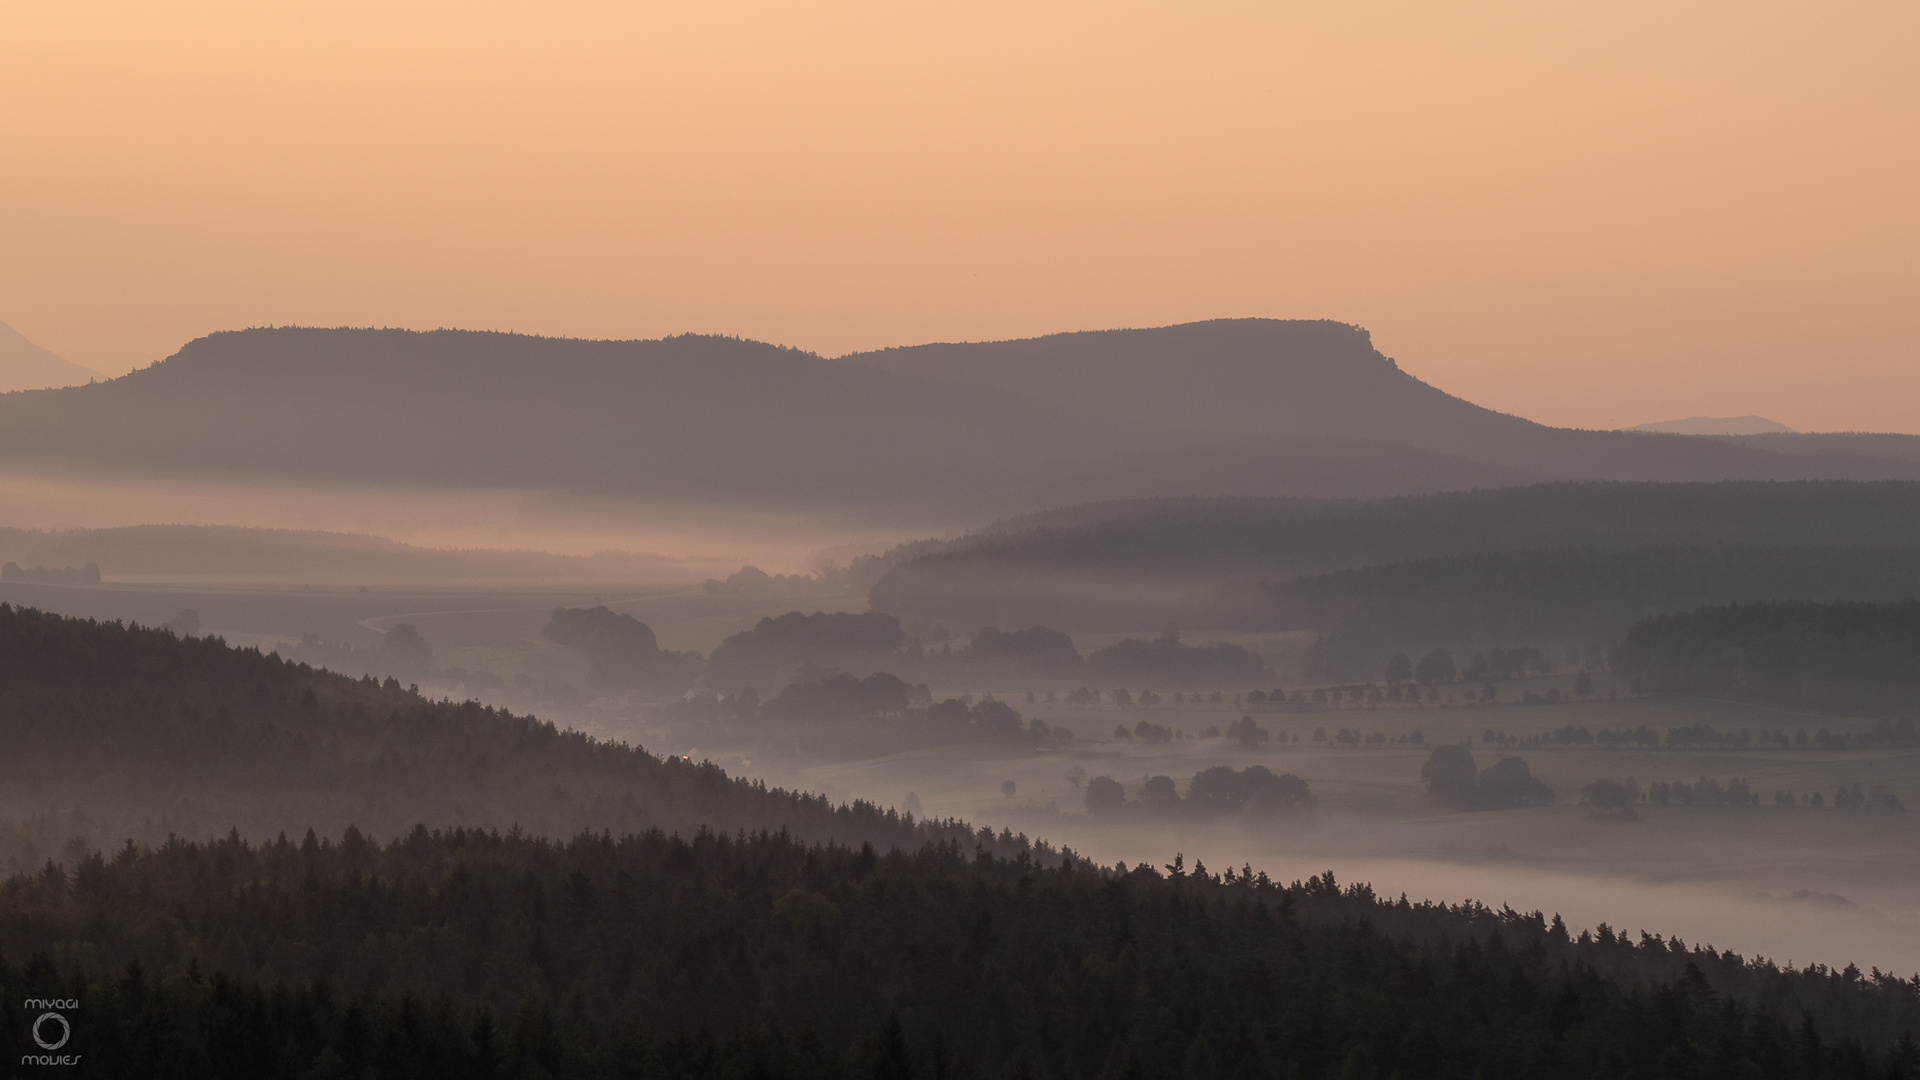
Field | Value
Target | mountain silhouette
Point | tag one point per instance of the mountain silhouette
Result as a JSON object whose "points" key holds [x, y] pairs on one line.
{"points": [[1242, 407], [26, 366], [1252, 378], [1718, 425]]}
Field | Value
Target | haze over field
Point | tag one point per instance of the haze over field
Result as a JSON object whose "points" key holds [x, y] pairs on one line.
{"points": [[1006, 541]]}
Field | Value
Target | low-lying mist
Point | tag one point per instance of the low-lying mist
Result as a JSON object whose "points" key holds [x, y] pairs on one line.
{"points": [[686, 542]]}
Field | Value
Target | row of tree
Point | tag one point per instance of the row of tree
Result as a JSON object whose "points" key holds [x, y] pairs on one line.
{"points": [[1215, 792], [1037, 656], [1581, 595], [1616, 798]]}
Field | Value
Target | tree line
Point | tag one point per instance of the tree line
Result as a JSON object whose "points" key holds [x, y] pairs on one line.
{"points": [[701, 925], [474, 953], [1836, 657], [1586, 596]]}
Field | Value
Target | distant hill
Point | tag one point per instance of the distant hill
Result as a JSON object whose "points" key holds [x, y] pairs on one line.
{"points": [[1570, 601], [1132, 565], [26, 366], [705, 418], [1845, 444], [1255, 378], [949, 433], [678, 416], [311, 555], [150, 734], [1846, 657], [1718, 425]]}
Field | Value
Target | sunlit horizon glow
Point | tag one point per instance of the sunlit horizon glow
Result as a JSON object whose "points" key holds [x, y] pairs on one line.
{"points": [[1589, 215]]}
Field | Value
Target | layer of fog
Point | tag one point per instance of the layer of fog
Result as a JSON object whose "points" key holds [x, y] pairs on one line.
{"points": [[701, 540], [1788, 899]]}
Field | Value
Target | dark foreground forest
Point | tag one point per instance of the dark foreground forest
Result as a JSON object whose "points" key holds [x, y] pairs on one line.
{"points": [[790, 938], [475, 954]]}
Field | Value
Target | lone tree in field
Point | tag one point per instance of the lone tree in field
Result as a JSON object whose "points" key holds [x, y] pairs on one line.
{"points": [[1611, 799], [1105, 795], [1249, 733]]}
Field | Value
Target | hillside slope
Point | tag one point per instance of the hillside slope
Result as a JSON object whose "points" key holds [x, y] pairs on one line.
{"points": [[701, 418], [26, 366], [1254, 378], [1129, 565], [722, 420], [144, 735]]}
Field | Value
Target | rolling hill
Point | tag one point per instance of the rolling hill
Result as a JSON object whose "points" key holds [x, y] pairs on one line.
{"points": [[958, 432], [273, 871], [1132, 565], [696, 418], [1253, 378]]}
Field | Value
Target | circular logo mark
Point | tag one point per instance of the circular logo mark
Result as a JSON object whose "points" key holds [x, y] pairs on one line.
{"points": [[66, 1031]]}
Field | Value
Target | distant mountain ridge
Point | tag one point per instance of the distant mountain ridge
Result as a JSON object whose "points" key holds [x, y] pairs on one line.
{"points": [[1718, 425], [1234, 407], [1254, 378], [26, 366]]}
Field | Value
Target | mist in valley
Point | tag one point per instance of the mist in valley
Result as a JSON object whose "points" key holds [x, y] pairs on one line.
{"points": [[1651, 717], [981, 542], [900, 653]]}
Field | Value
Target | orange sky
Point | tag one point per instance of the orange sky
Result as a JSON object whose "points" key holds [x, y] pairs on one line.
{"points": [[1587, 213]]}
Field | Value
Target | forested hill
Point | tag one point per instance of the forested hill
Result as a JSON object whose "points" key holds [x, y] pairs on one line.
{"points": [[1108, 563], [459, 954], [725, 420], [891, 950], [1852, 657], [678, 416], [1255, 377], [1583, 597], [147, 735], [1244, 376]]}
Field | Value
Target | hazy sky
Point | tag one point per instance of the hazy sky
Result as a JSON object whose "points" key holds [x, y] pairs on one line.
{"points": [[1586, 213]]}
